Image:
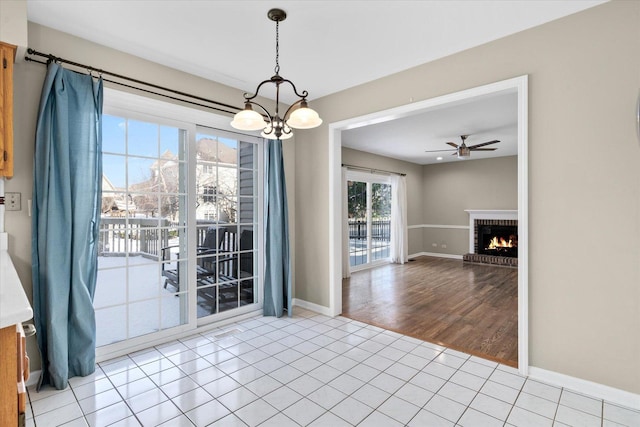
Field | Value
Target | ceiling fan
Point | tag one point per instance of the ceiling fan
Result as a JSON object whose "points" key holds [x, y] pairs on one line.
{"points": [[463, 150]]}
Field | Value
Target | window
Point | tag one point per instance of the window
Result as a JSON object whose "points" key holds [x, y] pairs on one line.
{"points": [[210, 191]]}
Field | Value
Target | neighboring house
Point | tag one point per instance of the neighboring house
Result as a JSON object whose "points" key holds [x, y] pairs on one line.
{"points": [[217, 180], [216, 176], [163, 179]]}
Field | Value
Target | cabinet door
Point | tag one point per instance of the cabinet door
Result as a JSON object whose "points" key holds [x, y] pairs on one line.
{"points": [[7, 55], [8, 384]]}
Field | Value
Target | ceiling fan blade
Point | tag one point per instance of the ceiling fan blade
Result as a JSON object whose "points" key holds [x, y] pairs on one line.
{"points": [[482, 149], [483, 144], [435, 151], [453, 144]]}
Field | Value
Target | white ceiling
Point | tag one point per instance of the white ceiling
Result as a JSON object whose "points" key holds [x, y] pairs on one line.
{"points": [[325, 46], [484, 118]]}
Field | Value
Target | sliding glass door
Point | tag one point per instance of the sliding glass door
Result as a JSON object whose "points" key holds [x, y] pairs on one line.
{"points": [[369, 219], [180, 230]]}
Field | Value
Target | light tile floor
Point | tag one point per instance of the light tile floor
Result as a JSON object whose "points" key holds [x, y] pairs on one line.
{"points": [[312, 370]]}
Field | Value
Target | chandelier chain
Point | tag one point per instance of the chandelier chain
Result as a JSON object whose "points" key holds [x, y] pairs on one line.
{"points": [[277, 68]]}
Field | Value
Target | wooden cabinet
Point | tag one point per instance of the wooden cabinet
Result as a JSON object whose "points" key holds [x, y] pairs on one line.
{"points": [[14, 364], [14, 370], [7, 57]]}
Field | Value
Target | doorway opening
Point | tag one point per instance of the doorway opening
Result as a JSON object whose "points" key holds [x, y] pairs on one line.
{"points": [[517, 85]]}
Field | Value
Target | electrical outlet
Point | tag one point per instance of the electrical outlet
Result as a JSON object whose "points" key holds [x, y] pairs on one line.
{"points": [[12, 201], [435, 245], [444, 246]]}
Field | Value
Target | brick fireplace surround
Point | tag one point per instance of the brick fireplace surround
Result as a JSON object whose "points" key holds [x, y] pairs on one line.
{"points": [[489, 217]]}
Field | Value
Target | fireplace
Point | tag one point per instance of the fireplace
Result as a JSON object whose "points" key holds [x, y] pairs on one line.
{"points": [[493, 238]]}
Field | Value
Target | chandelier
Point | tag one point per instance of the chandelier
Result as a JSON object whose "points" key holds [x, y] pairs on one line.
{"points": [[297, 116]]}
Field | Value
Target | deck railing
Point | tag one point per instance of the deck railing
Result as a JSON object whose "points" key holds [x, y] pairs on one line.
{"points": [[380, 229], [143, 236], [139, 236]]}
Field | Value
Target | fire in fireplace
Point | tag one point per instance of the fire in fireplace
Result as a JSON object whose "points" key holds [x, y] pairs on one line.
{"points": [[498, 240]]}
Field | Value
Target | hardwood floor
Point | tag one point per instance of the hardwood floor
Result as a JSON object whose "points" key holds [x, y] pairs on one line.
{"points": [[467, 307]]}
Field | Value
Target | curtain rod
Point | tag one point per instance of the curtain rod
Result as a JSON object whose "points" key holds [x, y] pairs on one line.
{"points": [[372, 170], [90, 69]]}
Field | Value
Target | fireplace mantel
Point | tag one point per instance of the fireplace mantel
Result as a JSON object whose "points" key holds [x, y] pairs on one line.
{"points": [[487, 214]]}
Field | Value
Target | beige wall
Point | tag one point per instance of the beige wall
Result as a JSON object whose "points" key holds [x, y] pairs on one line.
{"points": [[584, 169], [13, 24], [450, 188], [28, 84]]}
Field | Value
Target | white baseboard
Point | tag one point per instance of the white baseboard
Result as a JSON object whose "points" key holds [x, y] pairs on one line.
{"points": [[600, 391], [320, 309], [435, 254]]}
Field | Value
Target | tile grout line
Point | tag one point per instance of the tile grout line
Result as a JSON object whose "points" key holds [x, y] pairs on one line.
{"points": [[477, 392], [121, 396], [520, 391], [555, 415]]}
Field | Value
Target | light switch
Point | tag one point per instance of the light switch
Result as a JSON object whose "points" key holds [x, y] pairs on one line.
{"points": [[12, 201]]}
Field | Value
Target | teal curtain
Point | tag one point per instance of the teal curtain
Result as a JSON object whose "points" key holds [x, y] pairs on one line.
{"points": [[277, 280], [66, 213]]}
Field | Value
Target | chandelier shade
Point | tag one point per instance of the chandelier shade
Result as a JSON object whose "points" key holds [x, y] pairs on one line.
{"points": [[248, 119], [304, 118], [297, 116]]}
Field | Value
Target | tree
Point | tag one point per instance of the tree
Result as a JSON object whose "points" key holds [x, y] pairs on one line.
{"points": [[357, 200], [381, 201]]}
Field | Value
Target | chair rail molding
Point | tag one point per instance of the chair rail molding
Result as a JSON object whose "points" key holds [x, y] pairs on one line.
{"points": [[444, 226]]}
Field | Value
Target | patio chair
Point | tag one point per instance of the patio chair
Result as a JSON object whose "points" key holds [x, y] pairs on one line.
{"points": [[218, 241], [234, 272]]}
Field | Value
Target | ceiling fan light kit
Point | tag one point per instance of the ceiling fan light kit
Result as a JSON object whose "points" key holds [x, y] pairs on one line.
{"points": [[297, 116], [463, 152]]}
